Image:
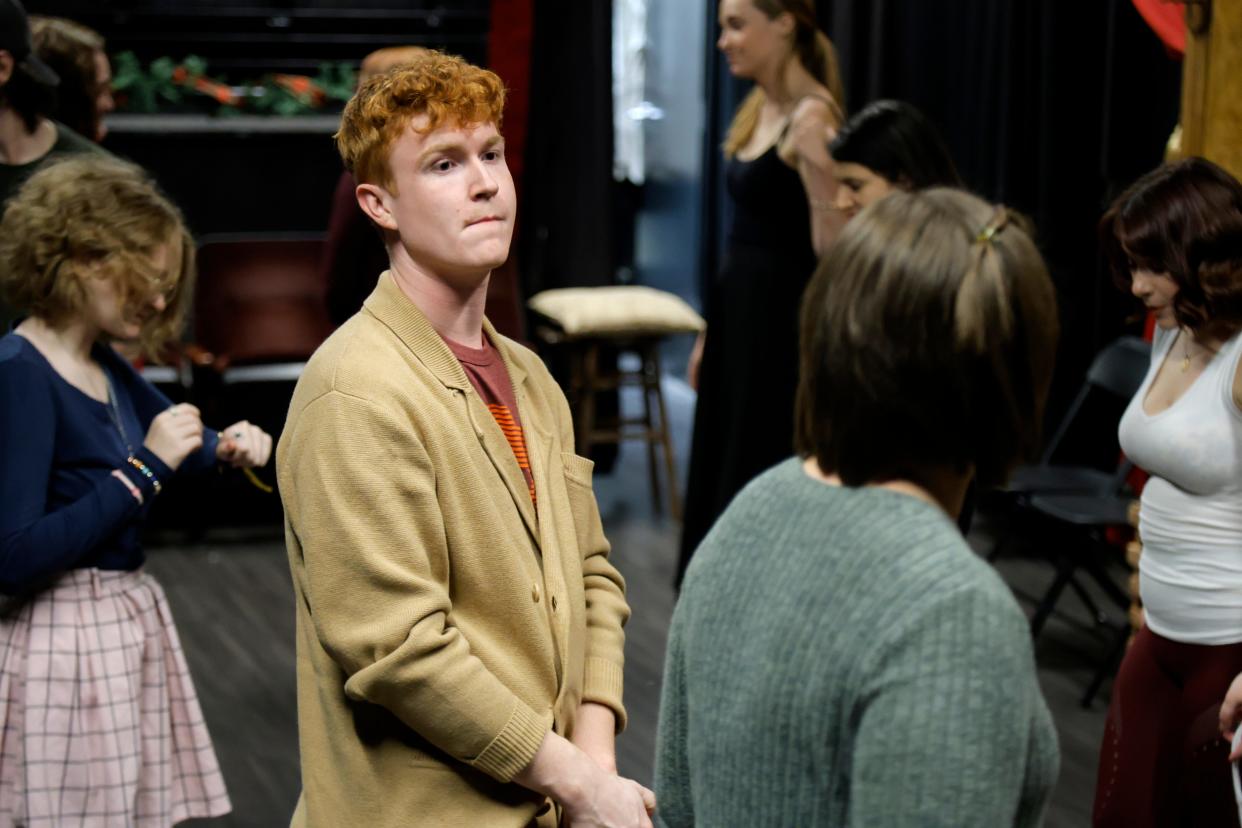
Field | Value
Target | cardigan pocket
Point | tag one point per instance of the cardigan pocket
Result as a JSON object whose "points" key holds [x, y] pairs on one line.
{"points": [[588, 530], [578, 469]]}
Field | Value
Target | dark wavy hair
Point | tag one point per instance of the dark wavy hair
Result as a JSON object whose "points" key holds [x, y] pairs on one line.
{"points": [[1183, 219], [897, 141]]}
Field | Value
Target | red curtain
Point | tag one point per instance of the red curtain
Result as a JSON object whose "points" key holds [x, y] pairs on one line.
{"points": [[509, 55]]}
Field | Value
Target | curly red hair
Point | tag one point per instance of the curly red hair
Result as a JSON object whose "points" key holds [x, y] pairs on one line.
{"points": [[444, 88]]}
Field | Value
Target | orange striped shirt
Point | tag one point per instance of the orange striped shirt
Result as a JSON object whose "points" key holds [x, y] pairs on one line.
{"points": [[487, 373]]}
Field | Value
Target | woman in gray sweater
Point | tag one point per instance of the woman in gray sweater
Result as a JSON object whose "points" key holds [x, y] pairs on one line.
{"points": [[839, 656]]}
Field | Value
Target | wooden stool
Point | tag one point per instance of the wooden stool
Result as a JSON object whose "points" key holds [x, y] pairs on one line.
{"points": [[625, 319]]}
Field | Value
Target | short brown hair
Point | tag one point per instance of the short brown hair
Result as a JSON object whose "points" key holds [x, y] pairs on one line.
{"points": [[445, 88], [1183, 219], [928, 338], [86, 211]]}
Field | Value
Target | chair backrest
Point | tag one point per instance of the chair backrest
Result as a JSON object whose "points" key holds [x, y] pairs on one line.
{"points": [[260, 299], [1117, 370], [1121, 367]]}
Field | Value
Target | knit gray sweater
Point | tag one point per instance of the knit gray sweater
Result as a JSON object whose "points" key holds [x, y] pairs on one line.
{"points": [[840, 657]]}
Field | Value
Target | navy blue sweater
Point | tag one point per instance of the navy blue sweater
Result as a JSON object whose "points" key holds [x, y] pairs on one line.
{"points": [[60, 507]]}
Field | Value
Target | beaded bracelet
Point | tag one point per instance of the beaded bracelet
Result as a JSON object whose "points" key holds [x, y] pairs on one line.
{"points": [[146, 472], [133, 490]]}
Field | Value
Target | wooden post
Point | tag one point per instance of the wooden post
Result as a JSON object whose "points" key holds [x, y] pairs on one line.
{"points": [[1211, 116]]}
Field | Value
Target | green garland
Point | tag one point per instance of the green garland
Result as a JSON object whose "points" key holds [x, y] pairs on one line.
{"points": [[165, 85]]}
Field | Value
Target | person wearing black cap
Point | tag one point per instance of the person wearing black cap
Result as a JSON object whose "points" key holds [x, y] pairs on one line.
{"points": [[27, 95]]}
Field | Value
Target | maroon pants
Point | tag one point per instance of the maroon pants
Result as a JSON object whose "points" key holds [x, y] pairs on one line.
{"points": [[1163, 762]]}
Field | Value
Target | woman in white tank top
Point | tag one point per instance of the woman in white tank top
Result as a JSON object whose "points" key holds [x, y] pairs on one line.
{"points": [[1174, 240]]}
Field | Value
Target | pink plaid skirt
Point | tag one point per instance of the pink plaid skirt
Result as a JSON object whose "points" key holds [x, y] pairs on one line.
{"points": [[101, 725]]}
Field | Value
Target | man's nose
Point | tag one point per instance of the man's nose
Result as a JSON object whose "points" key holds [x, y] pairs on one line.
{"points": [[484, 184]]}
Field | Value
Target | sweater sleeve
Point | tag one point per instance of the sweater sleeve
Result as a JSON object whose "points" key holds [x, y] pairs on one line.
{"points": [[945, 722], [672, 772], [361, 495], [36, 544]]}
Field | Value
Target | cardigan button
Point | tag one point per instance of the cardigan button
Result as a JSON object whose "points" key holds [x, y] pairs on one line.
{"points": [[554, 603], [534, 593]]}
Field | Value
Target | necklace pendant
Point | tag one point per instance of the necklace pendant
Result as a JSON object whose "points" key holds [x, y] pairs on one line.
{"points": [[1185, 364]]}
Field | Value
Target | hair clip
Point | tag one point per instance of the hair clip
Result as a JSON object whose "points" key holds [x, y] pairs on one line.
{"points": [[997, 223]]}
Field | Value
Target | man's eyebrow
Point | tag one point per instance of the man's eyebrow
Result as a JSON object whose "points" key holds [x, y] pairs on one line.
{"points": [[455, 144], [439, 146]]}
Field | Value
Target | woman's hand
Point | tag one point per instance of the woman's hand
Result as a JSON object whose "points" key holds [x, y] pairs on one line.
{"points": [[1231, 713], [244, 446], [812, 126], [174, 434]]}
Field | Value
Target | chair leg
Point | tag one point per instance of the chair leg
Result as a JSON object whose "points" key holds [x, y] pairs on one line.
{"points": [[586, 402], [1107, 667], [1065, 573], [666, 438], [1088, 601]]}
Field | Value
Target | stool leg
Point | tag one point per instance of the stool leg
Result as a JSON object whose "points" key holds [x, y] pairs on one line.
{"points": [[586, 405], [651, 434], [666, 440]]}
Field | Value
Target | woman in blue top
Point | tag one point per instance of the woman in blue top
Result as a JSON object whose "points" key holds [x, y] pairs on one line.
{"points": [[99, 717]]}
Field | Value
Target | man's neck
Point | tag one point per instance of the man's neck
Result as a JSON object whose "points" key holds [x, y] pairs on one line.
{"points": [[454, 308], [19, 145]]}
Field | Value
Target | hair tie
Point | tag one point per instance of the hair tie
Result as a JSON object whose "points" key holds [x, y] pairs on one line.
{"points": [[998, 222]]}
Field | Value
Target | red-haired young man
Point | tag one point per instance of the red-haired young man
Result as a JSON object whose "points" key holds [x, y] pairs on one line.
{"points": [[459, 623]]}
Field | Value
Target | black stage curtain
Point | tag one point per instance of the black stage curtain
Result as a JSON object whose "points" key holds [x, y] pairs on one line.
{"points": [[567, 228], [1051, 107]]}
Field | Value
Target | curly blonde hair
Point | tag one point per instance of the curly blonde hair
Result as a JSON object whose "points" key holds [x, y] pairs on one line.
{"points": [[445, 88], [92, 216]]}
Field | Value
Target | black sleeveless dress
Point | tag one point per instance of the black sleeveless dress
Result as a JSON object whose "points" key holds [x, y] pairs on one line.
{"points": [[743, 422]]}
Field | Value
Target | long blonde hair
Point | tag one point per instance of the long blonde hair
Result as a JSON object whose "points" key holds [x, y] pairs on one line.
{"points": [[814, 50]]}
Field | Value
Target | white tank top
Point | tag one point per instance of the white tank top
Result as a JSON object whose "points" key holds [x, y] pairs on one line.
{"points": [[1190, 520]]}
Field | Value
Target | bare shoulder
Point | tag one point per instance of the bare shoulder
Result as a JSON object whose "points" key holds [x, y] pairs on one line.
{"points": [[816, 108]]}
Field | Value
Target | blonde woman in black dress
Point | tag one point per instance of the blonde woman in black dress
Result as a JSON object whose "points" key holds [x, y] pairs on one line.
{"points": [[779, 174]]}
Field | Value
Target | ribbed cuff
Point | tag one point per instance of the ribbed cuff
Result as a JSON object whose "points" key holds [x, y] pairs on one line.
{"points": [[157, 466], [603, 683], [516, 744]]}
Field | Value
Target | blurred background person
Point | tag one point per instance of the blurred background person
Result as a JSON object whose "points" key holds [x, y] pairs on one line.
{"points": [[98, 711], [76, 53], [353, 252], [838, 654], [1174, 241], [28, 135], [779, 179], [886, 146]]}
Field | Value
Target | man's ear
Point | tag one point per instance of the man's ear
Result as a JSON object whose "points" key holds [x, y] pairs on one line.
{"points": [[6, 66], [376, 202]]}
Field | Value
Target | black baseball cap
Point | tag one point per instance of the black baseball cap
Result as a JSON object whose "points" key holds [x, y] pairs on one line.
{"points": [[15, 39]]}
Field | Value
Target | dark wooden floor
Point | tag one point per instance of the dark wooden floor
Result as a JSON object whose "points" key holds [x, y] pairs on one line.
{"points": [[234, 608]]}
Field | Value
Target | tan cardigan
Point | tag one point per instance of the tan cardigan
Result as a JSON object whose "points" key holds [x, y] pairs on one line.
{"points": [[443, 623]]}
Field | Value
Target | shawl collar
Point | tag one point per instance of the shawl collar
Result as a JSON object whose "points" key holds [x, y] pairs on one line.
{"points": [[395, 310]]}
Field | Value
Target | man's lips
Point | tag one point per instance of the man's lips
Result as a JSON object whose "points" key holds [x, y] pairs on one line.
{"points": [[484, 220]]}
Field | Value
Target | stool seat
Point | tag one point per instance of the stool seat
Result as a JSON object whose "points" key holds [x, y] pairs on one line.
{"points": [[627, 318], [617, 311]]}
